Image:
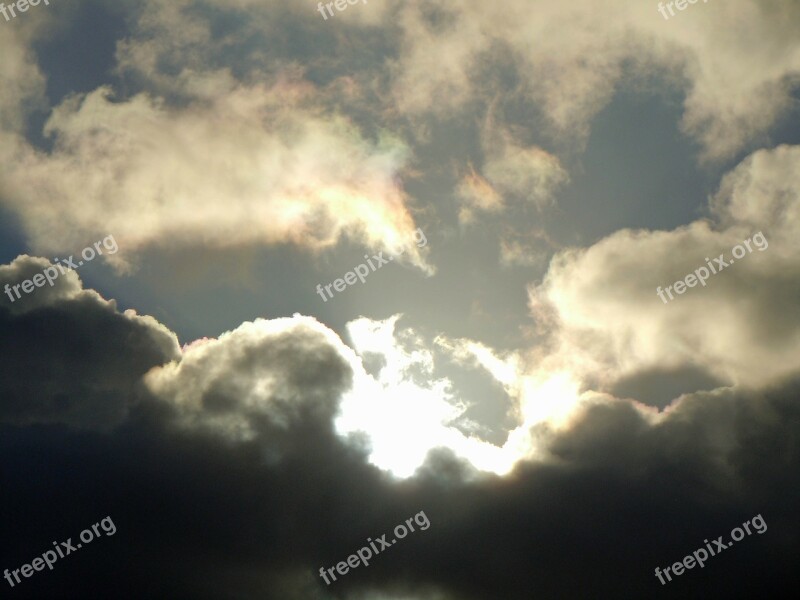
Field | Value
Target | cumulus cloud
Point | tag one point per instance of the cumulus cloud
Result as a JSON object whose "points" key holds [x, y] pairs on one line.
{"points": [[264, 372], [69, 356], [262, 513], [65, 286], [742, 327]]}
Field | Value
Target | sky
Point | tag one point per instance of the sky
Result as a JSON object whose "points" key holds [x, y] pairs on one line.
{"points": [[280, 280]]}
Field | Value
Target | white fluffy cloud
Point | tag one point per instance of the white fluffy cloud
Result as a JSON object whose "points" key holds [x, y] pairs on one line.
{"points": [[742, 327], [736, 60], [244, 165], [279, 165], [277, 370]]}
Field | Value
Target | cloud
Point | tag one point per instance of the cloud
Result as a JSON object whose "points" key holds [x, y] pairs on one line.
{"points": [[21, 81], [66, 286], [741, 327], [248, 166], [69, 356], [262, 513], [529, 248], [510, 171], [280, 164], [571, 58], [239, 465], [404, 395], [262, 373], [530, 173], [477, 195]]}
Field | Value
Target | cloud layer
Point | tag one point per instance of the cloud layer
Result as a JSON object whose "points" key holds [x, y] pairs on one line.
{"points": [[238, 464], [616, 493]]}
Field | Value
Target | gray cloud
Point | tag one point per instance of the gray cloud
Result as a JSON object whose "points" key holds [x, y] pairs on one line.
{"points": [[616, 495], [69, 356]]}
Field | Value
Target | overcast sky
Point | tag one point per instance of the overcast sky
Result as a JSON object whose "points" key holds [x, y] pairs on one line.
{"points": [[499, 199]]}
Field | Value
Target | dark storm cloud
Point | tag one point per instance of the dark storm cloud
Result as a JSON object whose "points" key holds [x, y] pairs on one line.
{"points": [[68, 356], [203, 513]]}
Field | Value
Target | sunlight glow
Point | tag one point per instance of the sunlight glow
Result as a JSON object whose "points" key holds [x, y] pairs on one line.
{"points": [[405, 418]]}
